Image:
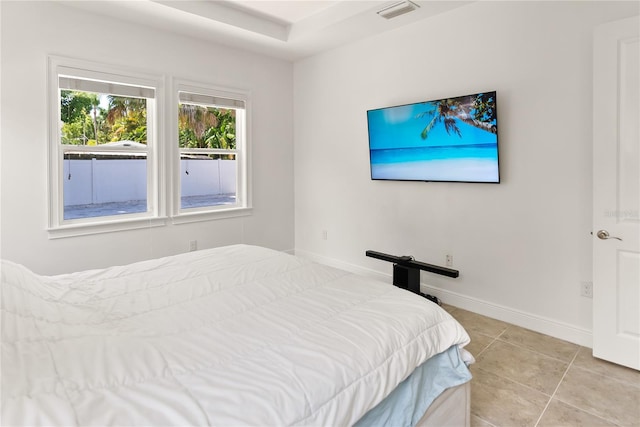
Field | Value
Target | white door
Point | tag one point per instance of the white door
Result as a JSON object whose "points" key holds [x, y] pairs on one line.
{"points": [[616, 193]]}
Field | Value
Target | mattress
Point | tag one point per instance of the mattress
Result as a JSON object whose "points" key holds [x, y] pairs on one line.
{"points": [[240, 335]]}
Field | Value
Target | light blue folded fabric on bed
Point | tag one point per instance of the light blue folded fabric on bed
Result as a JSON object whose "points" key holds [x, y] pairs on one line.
{"points": [[408, 402]]}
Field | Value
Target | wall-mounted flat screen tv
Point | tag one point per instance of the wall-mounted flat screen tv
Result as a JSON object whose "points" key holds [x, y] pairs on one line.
{"points": [[449, 140]]}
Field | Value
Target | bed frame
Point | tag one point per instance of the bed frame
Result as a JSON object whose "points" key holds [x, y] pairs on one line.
{"points": [[451, 408]]}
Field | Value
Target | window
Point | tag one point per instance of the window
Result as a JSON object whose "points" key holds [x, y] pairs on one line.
{"points": [[112, 164], [212, 141], [103, 147]]}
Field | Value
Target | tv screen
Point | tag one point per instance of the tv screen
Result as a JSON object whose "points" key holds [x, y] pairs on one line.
{"points": [[450, 140]]}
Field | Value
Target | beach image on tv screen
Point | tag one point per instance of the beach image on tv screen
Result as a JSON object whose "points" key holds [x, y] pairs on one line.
{"points": [[453, 139]]}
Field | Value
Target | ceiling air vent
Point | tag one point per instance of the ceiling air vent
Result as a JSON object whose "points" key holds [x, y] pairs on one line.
{"points": [[397, 9]]}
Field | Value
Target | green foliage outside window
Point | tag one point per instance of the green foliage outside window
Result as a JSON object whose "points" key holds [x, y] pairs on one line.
{"points": [[206, 127], [86, 122]]}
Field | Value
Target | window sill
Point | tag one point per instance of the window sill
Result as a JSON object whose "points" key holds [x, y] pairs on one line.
{"points": [[85, 229], [189, 217]]}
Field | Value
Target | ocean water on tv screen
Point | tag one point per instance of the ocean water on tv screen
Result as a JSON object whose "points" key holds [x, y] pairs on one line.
{"points": [[447, 140]]}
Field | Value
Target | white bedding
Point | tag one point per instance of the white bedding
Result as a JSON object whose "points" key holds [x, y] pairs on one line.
{"points": [[240, 335]]}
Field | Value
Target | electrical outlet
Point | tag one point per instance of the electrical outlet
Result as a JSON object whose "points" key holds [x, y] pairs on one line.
{"points": [[586, 289], [449, 260], [324, 234], [193, 245]]}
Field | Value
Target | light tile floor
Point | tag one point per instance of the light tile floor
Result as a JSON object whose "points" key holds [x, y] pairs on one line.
{"points": [[523, 378]]}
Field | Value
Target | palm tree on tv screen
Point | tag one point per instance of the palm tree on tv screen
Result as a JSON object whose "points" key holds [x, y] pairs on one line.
{"points": [[478, 111]]}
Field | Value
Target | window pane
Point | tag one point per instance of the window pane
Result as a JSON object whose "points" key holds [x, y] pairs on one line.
{"points": [[103, 184], [98, 118], [207, 180], [206, 127]]}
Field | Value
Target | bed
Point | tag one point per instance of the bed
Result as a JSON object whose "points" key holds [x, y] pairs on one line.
{"points": [[234, 336]]}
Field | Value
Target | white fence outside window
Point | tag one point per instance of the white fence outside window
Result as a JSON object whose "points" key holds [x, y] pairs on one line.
{"points": [[98, 181]]}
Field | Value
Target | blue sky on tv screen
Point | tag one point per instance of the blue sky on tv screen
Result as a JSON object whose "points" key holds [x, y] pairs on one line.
{"points": [[402, 126]]}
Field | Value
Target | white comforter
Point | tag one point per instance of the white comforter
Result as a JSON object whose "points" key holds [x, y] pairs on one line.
{"points": [[240, 335]]}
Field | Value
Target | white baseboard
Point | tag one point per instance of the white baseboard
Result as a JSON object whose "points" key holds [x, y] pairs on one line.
{"points": [[520, 318]]}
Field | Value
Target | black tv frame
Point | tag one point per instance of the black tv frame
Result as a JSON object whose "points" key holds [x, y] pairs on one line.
{"points": [[499, 181]]}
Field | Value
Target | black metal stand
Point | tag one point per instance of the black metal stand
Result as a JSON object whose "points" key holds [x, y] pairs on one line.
{"points": [[406, 272]]}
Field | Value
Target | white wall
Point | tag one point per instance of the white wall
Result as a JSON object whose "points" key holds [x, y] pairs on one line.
{"points": [[31, 31], [523, 246]]}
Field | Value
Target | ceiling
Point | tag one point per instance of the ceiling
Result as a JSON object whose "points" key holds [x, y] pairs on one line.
{"points": [[288, 12], [288, 29]]}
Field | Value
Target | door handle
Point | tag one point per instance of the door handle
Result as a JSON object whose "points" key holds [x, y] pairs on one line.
{"points": [[604, 235]]}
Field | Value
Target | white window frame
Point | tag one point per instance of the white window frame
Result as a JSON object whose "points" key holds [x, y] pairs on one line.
{"points": [[207, 95], [99, 75]]}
